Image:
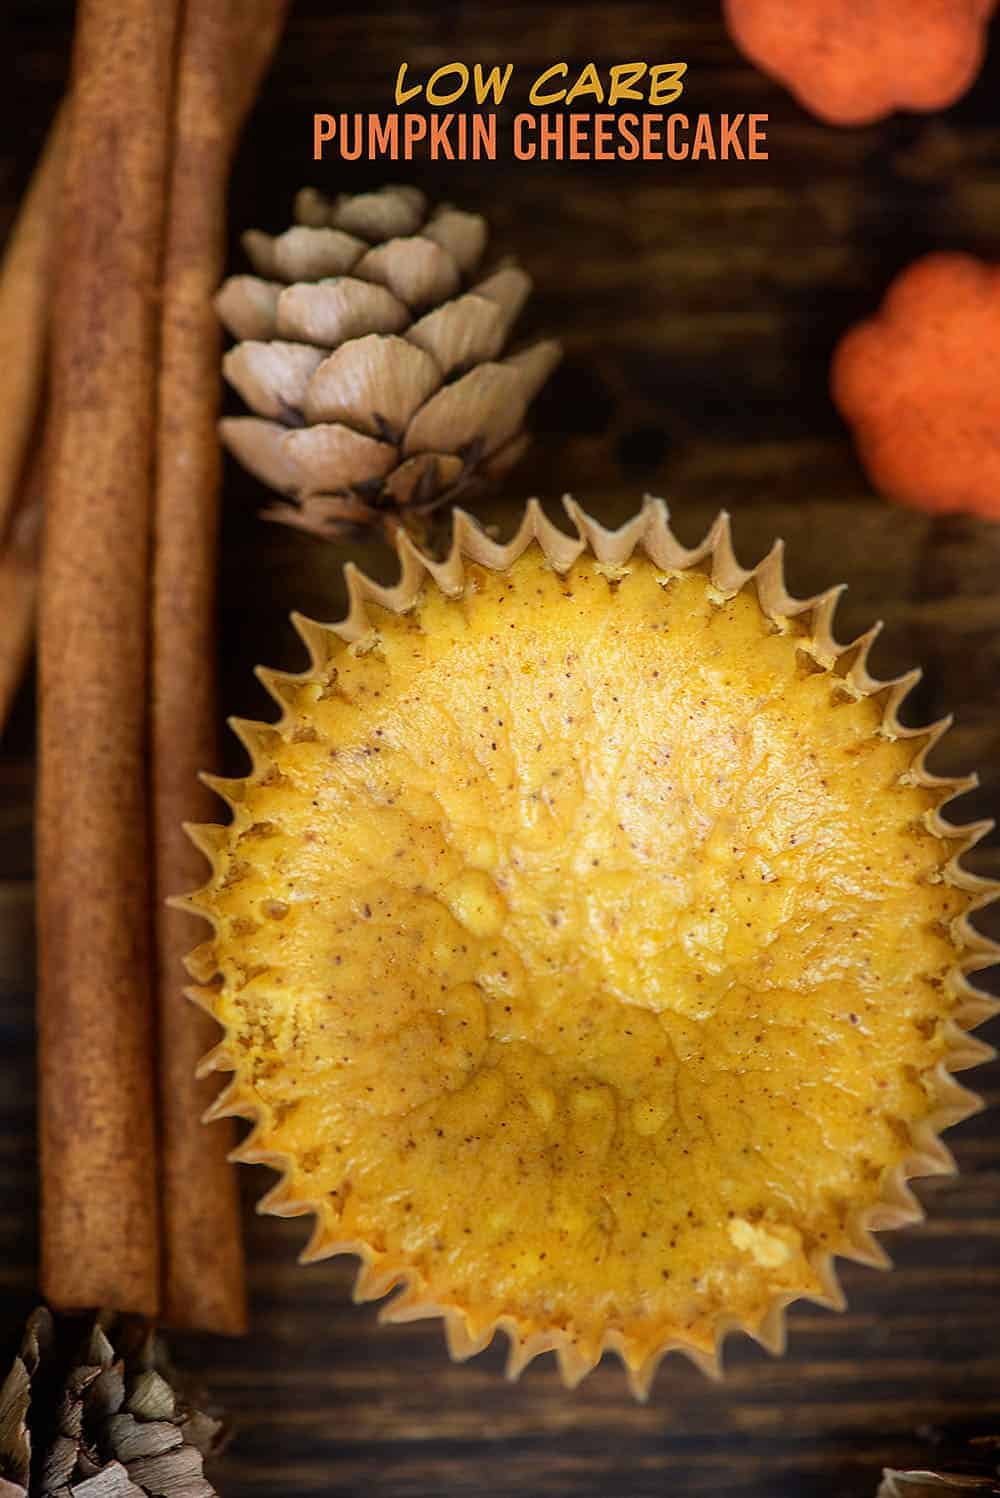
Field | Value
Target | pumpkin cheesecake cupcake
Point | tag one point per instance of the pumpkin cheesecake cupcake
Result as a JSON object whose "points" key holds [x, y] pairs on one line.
{"points": [[591, 947]]}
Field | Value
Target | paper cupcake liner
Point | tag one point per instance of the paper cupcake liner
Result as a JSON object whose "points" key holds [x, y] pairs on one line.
{"points": [[649, 532]]}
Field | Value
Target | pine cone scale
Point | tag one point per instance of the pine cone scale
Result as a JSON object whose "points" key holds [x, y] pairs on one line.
{"points": [[330, 312], [462, 333], [376, 384], [272, 377]]}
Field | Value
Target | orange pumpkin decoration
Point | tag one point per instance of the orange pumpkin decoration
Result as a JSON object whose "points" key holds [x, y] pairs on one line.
{"points": [[920, 385], [854, 61]]}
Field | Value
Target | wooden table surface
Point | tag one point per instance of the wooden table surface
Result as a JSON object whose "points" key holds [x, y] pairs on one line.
{"points": [[698, 305]]}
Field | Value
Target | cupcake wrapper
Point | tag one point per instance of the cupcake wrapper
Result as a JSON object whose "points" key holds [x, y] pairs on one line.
{"points": [[649, 532]]}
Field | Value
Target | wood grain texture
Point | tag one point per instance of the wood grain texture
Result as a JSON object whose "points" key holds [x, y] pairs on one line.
{"points": [[699, 307]]}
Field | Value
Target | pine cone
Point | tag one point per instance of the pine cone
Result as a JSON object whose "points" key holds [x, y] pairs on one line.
{"points": [[374, 376], [107, 1423]]}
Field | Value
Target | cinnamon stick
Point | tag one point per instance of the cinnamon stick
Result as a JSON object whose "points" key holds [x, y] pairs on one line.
{"points": [[19, 585], [100, 1237], [25, 295], [225, 48]]}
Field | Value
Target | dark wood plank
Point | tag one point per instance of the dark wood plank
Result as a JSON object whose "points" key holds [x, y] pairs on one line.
{"points": [[699, 307]]}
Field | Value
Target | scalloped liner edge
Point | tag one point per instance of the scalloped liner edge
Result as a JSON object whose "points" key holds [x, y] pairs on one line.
{"points": [[648, 530]]}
